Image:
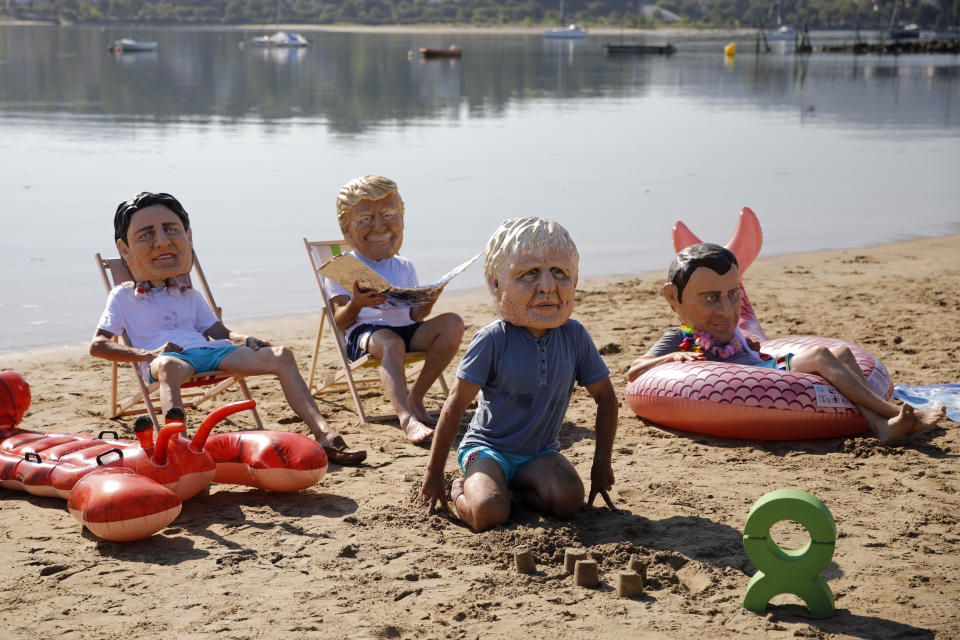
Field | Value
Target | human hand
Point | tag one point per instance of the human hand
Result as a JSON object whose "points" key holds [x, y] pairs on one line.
{"points": [[601, 481], [686, 356], [255, 343], [367, 297], [432, 490], [753, 344], [166, 347]]}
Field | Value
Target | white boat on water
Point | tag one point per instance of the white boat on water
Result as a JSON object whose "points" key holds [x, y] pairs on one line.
{"points": [[128, 45], [784, 32], [279, 39], [572, 32]]}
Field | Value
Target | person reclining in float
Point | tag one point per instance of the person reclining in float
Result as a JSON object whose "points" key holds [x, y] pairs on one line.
{"points": [[171, 328], [370, 212], [704, 291], [524, 366]]}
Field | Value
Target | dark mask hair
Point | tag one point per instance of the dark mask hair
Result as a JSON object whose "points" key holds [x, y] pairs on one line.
{"points": [[144, 199], [706, 254]]}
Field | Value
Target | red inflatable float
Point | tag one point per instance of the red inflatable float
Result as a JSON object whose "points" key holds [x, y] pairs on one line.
{"points": [[126, 490], [740, 401]]}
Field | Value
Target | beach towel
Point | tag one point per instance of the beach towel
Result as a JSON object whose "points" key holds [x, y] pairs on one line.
{"points": [[931, 397]]}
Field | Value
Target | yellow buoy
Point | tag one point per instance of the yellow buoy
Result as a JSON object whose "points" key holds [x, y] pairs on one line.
{"points": [[730, 49]]}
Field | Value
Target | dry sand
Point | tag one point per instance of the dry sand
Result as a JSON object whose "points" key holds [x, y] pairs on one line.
{"points": [[355, 556]]}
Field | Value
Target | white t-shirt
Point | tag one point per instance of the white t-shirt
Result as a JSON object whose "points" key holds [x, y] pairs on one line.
{"points": [[396, 270], [149, 323]]}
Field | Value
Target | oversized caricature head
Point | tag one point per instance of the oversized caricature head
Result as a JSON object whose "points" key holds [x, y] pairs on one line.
{"points": [[530, 265], [370, 213], [152, 231], [704, 289]]}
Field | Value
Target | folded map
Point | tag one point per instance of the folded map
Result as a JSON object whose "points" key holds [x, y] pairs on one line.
{"points": [[345, 270]]}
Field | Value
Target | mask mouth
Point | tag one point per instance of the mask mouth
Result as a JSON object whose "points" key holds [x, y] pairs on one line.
{"points": [[166, 259]]}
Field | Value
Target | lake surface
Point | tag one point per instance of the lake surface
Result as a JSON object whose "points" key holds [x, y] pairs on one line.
{"points": [[830, 150]]}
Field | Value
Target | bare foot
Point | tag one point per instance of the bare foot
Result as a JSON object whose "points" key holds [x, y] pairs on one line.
{"points": [[908, 422], [896, 427], [928, 419], [456, 491], [414, 430], [420, 412]]}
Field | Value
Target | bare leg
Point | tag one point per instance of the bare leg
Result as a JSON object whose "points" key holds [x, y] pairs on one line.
{"points": [[280, 362], [482, 497], [888, 421], [170, 372], [440, 338], [551, 485], [389, 348], [846, 357]]}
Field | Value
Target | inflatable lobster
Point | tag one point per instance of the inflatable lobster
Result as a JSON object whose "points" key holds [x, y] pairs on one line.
{"points": [[126, 490]]}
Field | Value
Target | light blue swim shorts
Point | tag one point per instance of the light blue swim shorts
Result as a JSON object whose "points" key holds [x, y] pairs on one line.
{"points": [[781, 363], [510, 463], [202, 359]]}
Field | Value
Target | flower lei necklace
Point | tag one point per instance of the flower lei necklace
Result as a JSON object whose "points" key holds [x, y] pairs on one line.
{"points": [[701, 342]]}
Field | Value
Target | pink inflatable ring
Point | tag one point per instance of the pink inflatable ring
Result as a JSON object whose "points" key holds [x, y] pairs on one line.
{"points": [[740, 401]]}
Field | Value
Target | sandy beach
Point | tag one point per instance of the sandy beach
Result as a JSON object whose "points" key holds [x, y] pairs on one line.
{"points": [[356, 556]]}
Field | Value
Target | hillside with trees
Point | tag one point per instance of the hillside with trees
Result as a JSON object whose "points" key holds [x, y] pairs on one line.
{"points": [[818, 14]]}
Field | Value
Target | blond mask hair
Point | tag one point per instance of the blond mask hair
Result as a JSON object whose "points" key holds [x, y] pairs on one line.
{"points": [[524, 236], [363, 188]]}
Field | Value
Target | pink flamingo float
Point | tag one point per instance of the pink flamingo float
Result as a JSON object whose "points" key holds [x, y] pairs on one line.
{"points": [[740, 401], [126, 490]]}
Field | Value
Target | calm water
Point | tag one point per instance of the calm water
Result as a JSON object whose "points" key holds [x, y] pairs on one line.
{"points": [[829, 150]]}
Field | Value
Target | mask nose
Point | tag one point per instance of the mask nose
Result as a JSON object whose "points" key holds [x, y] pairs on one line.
{"points": [[546, 283]]}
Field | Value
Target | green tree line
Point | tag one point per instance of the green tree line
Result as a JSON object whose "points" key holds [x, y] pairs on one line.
{"points": [[696, 13]]}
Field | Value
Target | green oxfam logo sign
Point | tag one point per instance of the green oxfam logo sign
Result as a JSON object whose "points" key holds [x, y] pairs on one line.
{"points": [[795, 571]]}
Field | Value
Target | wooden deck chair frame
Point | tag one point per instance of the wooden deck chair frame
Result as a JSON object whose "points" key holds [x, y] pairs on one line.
{"points": [[196, 389], [318, 252]]}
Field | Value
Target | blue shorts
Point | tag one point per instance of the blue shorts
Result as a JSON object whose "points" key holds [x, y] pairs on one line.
{"points": [[510, 463], [202, 359], [781, 363], [357, 343]]}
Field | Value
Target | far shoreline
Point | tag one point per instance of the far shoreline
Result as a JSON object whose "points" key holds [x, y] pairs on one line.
{"points": [[454, 29], [461, 298]]}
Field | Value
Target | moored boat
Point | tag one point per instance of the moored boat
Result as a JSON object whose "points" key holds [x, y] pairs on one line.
{"points": [[279, 39], [618, 49], [128, 45], [451, 52], [571, 32]]}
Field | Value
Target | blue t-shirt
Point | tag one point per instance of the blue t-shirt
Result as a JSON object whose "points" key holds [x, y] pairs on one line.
{"points": [[525, 383]]}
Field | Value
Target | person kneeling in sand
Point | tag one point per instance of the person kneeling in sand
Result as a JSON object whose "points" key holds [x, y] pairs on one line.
{"points": [[524, 366], [370, 213], [171, 328], [703, 289]]}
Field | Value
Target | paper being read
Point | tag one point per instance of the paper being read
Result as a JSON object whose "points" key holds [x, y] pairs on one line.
{"points": [[345, 270]]}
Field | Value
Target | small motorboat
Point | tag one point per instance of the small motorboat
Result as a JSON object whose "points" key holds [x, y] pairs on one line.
{"points": [[279, 39], [451, 52], [572, 32], [127, 45]]}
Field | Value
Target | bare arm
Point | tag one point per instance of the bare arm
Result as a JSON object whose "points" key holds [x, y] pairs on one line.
{"points": [[646, 362], [104, 346], [346, 308], [219, 332], [461, 395], [601, 474]]}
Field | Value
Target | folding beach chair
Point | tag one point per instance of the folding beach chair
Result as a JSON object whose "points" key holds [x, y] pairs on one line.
{"points": [[195, 390], [319, 252]]}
